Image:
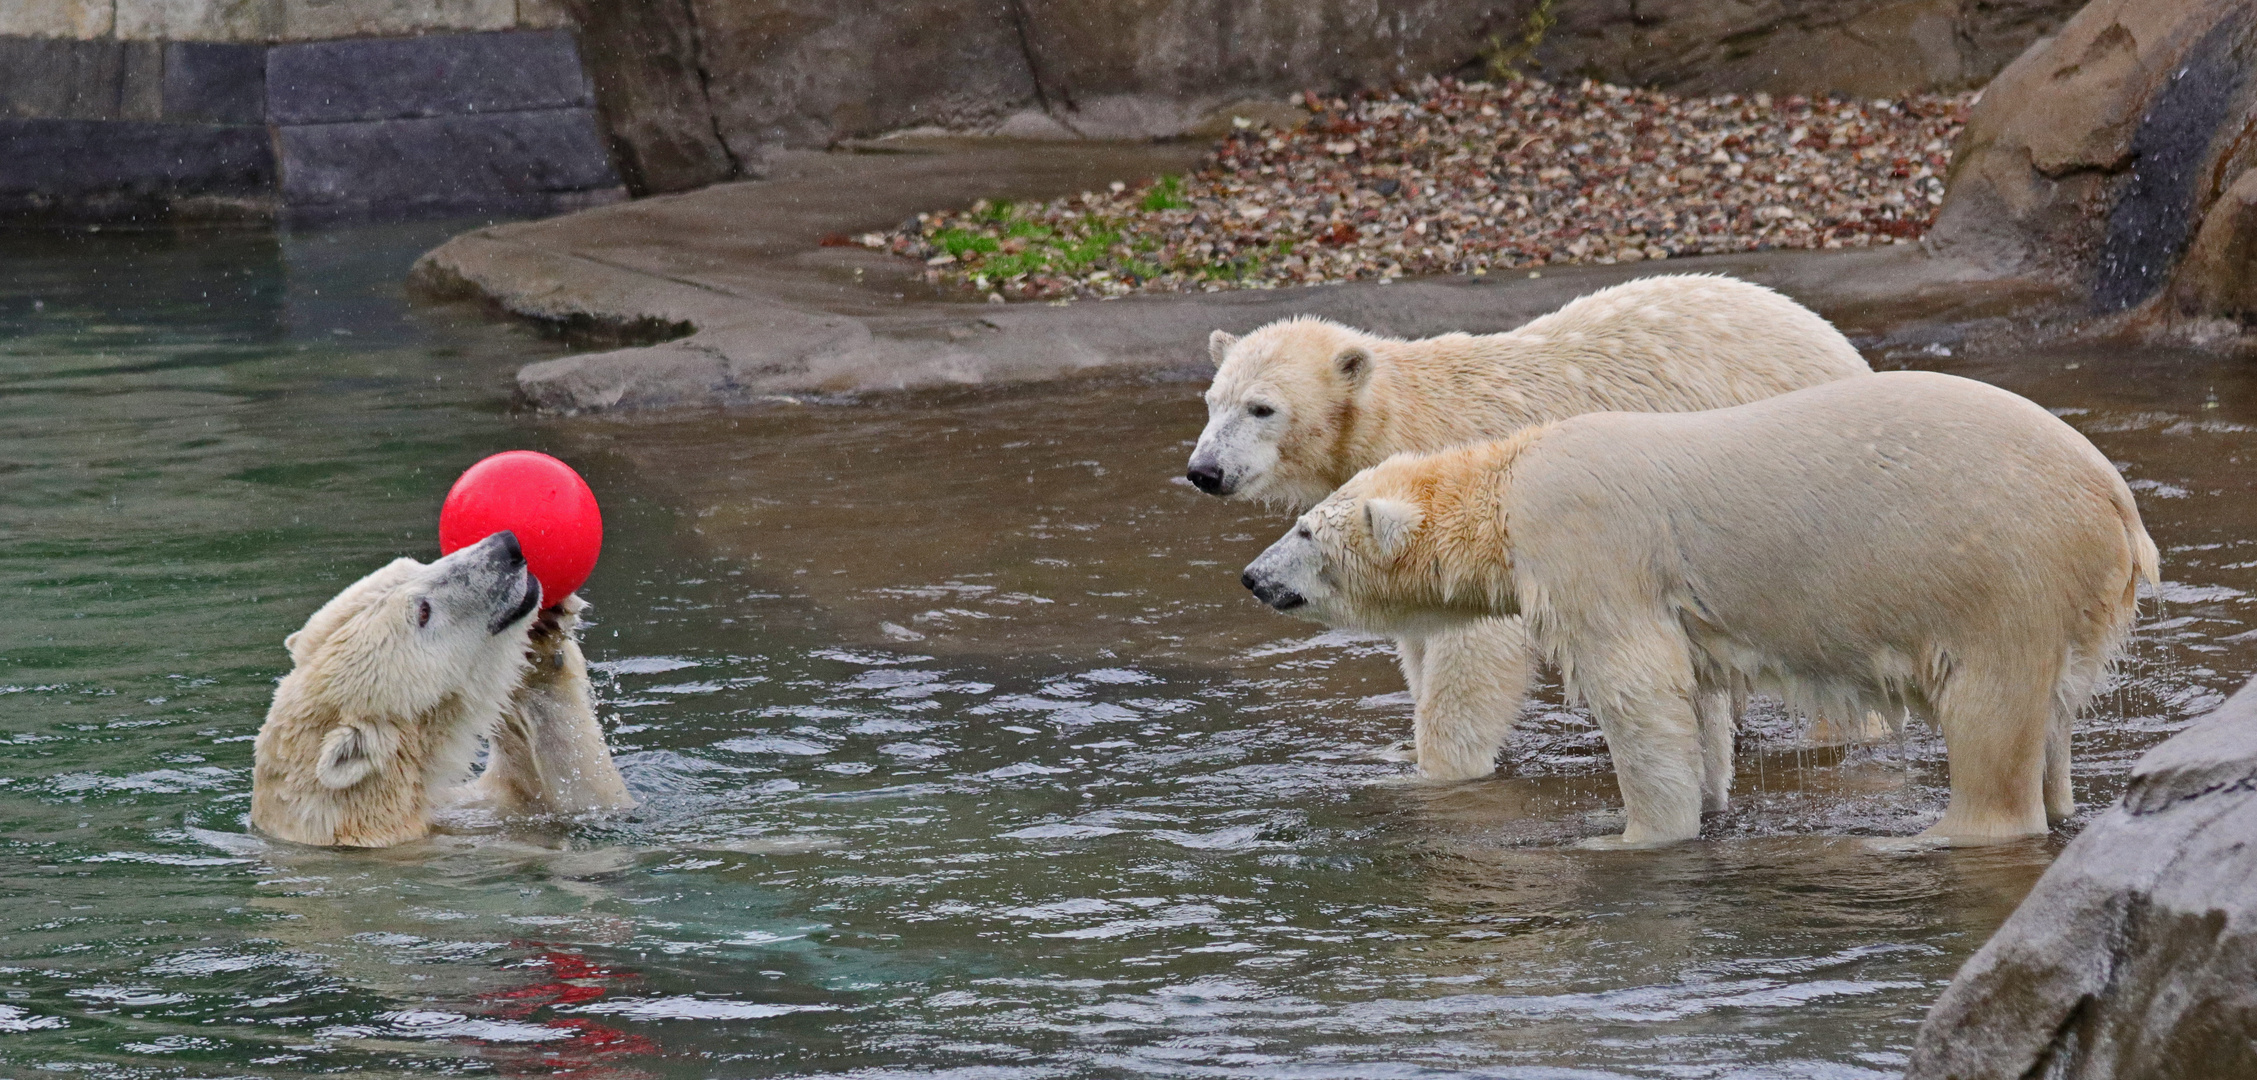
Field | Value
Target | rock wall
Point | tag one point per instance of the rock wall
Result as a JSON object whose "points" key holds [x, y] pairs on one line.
{"points": [[108, 129], [696, 90], [266, 20], [2118, 157], [690, 92], [1864, 48]]}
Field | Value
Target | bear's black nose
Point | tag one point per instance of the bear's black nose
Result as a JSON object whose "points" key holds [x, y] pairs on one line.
{"points": [[1206, 478], [512, 554], [1271, 593]]}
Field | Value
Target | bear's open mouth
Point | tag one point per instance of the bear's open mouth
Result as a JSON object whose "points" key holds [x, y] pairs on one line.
{"points": [[525, 605]]}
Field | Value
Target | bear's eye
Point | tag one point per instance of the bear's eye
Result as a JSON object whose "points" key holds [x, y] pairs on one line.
{"points": [[1260, 412], [422, 613]]}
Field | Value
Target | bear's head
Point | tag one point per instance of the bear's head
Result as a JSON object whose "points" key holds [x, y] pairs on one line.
{"points": [[1278, 409], [1408, 546], [394, 682]]}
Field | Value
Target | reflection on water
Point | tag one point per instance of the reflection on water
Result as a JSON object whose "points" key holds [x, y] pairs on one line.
{"points": [[961, 751]]}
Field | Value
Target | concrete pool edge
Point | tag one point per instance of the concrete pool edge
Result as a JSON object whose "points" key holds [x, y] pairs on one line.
{"points": [[742, 291]]}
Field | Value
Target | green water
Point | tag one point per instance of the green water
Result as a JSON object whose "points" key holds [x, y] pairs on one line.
{"points": [[960, 751]]}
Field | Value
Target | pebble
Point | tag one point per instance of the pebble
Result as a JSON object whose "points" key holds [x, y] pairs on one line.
{"points": [[1448, 177]]}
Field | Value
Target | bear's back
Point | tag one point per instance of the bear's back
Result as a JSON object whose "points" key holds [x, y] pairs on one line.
{"points": [[1664, 344]]}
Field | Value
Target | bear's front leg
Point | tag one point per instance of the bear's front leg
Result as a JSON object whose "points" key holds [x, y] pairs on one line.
{"points": [[1642, 696], [1472, 680], [548, 755]]}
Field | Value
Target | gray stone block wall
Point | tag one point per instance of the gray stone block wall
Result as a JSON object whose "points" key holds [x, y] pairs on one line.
{"points": [[373, 127]]}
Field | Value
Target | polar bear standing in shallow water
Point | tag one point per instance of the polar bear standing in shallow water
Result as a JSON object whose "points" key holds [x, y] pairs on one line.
{"points": [[1902, 540], [1299, 406], [396, 682]]}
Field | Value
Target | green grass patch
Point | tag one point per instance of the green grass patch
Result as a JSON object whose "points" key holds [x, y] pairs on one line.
{"points": [[1005, 267], [1166, 194], [959, 241], [1073, 258]]}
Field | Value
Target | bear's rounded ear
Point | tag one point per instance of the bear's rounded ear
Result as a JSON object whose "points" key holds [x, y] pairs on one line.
{"points": [[344, 759], [1218, 346], [1353, 364], [1392, 523], [350, 752]]}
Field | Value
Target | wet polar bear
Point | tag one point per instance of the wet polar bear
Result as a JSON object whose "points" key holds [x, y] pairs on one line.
{"points": [[1299, 406], [1902, 540], [396, 682]]}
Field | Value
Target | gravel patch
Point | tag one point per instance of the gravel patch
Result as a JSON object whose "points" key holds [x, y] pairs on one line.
{"points": [[1447, 177]]}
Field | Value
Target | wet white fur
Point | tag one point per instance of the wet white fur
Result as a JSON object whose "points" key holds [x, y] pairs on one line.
{"points": [[1906, 540], [1345, 400], [546, 756], [377, 725]]}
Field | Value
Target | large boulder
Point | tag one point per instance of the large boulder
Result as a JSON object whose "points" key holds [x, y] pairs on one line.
{"points": [[2097, 155], [2136, 954]]}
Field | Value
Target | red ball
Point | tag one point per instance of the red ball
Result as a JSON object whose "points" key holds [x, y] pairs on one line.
{"points": [[540, 499]]}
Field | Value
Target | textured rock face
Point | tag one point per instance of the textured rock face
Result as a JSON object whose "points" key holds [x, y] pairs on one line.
{"points": [[804, 72], [2096, 156], [2136, 955], [697, 89], [1864, 48], [1084, 54], [644, 61], [2219, 274]]}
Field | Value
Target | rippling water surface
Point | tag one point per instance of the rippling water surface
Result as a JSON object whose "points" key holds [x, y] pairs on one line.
{"points": [[961, 752]]}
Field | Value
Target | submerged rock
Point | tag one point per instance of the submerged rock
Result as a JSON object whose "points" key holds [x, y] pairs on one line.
{"points": [[2136, 954]]}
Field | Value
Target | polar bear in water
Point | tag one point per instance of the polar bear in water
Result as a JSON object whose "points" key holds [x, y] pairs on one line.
{"points": [[1299, 406], [1900, 540], [397, 681]]}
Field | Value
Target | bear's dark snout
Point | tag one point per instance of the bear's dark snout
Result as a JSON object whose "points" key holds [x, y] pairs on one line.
{"points": [[1276, 596], [1206, 478]]}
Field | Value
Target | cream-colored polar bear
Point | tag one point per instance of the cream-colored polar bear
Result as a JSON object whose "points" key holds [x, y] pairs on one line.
{"points": [[396, 682], [1902, 540], [1299, 406]]}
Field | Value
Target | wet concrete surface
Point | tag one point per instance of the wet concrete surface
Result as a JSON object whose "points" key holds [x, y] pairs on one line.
{"points": [[738, 277]]}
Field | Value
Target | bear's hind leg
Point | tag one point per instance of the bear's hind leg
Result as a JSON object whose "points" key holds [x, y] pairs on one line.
{"points": [[1471, 682], [1997, 721], [1717, 714], [2081, 679], [2060, 802]]}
